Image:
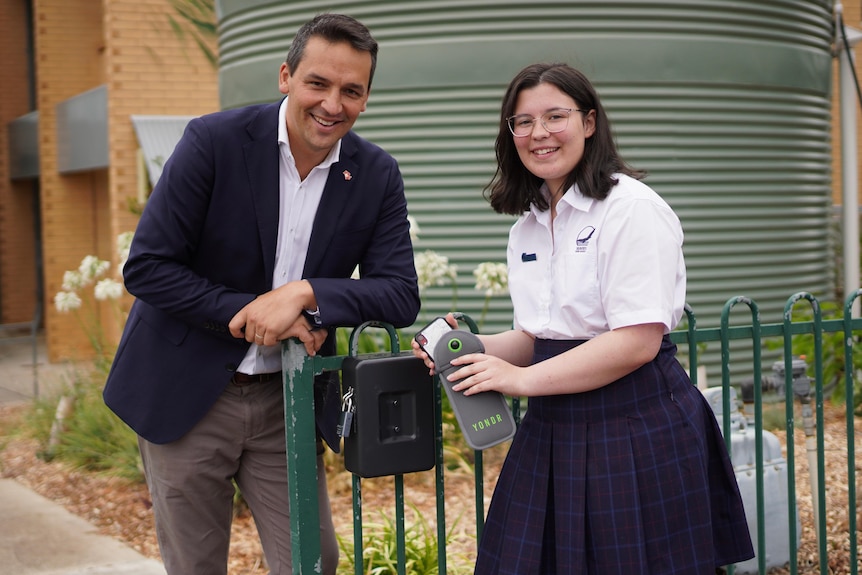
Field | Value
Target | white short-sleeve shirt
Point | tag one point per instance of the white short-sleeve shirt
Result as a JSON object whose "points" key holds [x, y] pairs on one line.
{"points": [[605, 265]]}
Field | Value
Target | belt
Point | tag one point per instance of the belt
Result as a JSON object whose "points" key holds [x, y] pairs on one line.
{"points": [[246, 379]]}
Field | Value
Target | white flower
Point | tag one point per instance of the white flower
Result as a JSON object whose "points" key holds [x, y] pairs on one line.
{"points": [[433, 269], [414, 228], [492, 277], [108, 289], [92, 267], [124, 243], [73, 281], [66, 301]]}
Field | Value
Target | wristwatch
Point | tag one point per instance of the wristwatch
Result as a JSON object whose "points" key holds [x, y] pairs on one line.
{"points": [[313, 317]]}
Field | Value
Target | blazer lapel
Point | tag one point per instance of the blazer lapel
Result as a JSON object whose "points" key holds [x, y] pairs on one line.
{"points": [[261, 157], [336, 194]]}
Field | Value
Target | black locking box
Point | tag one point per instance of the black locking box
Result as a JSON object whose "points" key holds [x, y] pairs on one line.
{"points": [[393, 424]]}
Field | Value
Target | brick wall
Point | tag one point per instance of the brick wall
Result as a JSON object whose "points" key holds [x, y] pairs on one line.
{"points": [[149, 71], [127, 45], [69, 57], [17, 237]]}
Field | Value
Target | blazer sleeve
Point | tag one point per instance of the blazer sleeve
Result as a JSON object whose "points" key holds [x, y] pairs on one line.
{"points": [[192, 256], [365, 213]]}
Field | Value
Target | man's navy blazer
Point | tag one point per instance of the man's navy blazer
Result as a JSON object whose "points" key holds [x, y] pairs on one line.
{"points": [[205, 247]]}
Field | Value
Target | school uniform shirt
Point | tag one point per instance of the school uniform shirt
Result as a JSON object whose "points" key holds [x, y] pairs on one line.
{"points": [[600, 265], [632, 477]]}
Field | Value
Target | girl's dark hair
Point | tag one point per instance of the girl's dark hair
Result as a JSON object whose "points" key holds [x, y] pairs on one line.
{"points": [[513, 187], [333, 28]]}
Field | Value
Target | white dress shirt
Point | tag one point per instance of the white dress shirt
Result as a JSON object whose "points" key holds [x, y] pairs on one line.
{"points": [[604, 265], [298, 200]]}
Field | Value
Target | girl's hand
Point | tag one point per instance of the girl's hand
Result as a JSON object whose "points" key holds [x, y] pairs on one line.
{"points": [[482, 372], [418, 352]]}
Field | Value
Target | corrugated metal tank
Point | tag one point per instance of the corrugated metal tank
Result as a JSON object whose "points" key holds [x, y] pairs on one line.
{"points": [[725, 103]]}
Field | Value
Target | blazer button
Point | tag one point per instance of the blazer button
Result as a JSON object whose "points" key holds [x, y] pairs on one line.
{"points": [[230, 367]]}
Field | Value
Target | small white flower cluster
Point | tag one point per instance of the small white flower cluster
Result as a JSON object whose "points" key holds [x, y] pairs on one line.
{"points": [[108, 289], [124, 243], [92, 267], [492, 277], [433, 269], [66, 301], [414, 228], [90, 270]]}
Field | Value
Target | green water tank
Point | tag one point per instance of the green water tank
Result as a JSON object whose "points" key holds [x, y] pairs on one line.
{"points": [[726, 103]]}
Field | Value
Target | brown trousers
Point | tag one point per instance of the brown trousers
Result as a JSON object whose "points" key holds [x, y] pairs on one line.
{"points": [[241, 438]]}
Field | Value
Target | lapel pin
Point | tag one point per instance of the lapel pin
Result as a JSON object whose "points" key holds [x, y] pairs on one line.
{"points": [[347, 175]]}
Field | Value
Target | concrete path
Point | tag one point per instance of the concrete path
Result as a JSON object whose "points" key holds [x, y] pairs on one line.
{"points": [[38, 536]]}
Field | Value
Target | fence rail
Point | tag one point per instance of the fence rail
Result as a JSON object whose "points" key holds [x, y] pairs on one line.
{"points": [[300, 370]]}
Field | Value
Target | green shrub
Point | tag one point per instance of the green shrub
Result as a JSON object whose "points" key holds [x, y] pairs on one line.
{"points": [[93, 438], [97, 440], [380, 549], [834, 368]]}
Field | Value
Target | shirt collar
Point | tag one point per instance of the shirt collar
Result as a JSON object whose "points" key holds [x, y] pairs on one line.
{"points": [[334, 154], [573, 198]]}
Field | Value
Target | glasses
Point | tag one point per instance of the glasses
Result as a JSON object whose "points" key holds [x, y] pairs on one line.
{"points": [[553, 121]]}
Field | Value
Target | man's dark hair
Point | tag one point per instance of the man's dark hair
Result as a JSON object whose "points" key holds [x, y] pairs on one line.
{"points": [[333, 28]]}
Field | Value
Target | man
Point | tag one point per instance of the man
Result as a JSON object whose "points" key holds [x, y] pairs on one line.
{"points": [[250, 237]]}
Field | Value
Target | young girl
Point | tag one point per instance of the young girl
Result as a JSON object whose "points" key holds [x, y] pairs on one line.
{"points": [[619, 466]]}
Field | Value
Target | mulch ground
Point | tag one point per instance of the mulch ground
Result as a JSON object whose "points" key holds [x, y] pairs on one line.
{"points": [[121, 509]]}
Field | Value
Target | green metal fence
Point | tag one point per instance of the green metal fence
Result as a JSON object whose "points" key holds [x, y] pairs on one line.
{"points": [[300, 369]]}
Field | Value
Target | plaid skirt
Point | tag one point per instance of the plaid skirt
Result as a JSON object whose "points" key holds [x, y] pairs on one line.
{"points": [[633, 477]]}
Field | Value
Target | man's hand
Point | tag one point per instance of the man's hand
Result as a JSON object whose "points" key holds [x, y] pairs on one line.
{"points": [[277, 315], [312, 337]]}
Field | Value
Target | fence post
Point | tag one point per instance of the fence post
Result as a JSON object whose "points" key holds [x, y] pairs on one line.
{"points": [[301, 441], [758, 409], [817, 477], [851, 449]]}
